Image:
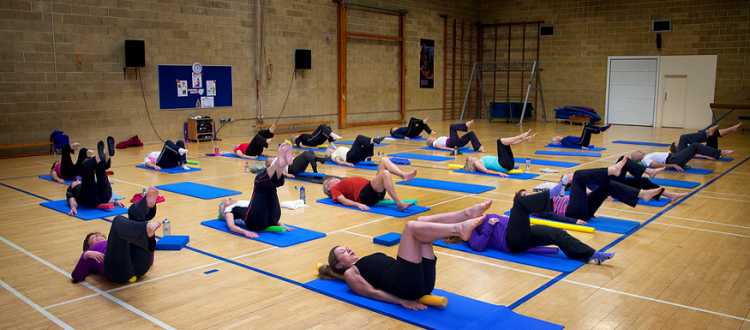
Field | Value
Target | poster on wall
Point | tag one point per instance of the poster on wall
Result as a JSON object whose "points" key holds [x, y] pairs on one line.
{"points": [[197, 80], [182, 89], [426, 63], [211, 87]]}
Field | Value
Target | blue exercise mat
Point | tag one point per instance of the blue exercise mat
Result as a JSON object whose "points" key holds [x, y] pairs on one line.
{"points": [[557, 262], [673, 183], [315, 149], [653, 144], [725, 159], [463, 150], [311, 175], [289, 238], [568, 153], [67, 183], [416, 138], [447, 185], [85, 213], [560, 146], [258, 159], [544, 162], [461, 312], [520, 176], [701, 171], [661, 202], [358, 165], [348, 143], [421, 156], [198, 190], [173, 170], [610, 225], [391, 210]]}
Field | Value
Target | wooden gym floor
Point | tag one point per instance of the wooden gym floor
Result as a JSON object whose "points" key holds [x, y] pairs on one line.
{"points": [[686, 267]]}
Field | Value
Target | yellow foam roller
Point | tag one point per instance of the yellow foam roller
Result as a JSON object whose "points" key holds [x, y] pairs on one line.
{"points": [[320, 146], [516, 171], [429, 300], [562, 225], [460, 167]]}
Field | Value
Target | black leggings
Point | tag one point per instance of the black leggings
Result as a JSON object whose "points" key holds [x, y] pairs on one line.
{"points": [[583, 206], [69, 170], [361, 150], [130, 252], [586, 134], [318, 137], [682, 157], [415, 128], [95, 188], [520, 235], [455, 141], [265, 209], [505, 156], [306, 158], [170, 156], [699, 137], [259, 142]]}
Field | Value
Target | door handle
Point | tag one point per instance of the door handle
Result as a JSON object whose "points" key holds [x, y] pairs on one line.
{"points": [[665, 97]]}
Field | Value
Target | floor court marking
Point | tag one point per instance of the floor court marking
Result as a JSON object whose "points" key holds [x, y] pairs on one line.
{"points": [[35, 306]]}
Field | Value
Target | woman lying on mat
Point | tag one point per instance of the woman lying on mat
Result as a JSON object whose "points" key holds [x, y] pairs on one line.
{"points": [[311, 141], [301, 162], [710, 137], [93, 188], [413, 130], [362, 149], [171, 155], [362, 193], [411, 275], [581, 205], [448, 143], [582, 142], [264, 209], [637, 180], [515, 234], [65, 169], [129, 251], [254, 149], [504, 161], [685, 153]]}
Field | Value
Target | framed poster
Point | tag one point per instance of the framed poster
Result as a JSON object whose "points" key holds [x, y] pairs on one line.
{"points": [[426, 63]]}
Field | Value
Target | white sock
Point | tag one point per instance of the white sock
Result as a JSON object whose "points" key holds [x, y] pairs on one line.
{"points": [[185, 167], [335, 136], [182, 151], [332, 145]]}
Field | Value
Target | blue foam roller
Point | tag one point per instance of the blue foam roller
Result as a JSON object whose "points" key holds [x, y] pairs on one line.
{"points": [[312, 175], [172, 242], [389, 239]]}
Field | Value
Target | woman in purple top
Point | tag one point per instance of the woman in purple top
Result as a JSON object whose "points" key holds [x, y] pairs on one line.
{"points": [[515, 234], [129, 251], [412, 274]]}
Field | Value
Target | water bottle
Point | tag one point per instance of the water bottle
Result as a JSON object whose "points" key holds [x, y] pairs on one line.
{"points": [[378, 134], [302, 195], [528, 163], [166, 228], [247, 168], [144, 193], [216, 151], [455, 151]]}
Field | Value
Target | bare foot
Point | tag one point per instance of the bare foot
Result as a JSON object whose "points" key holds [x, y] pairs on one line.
{"points": [[285, 154], [652, 172], [736, 128], [616, 169], [674, 196], [75, 146], [90, 153], [151, 228], [403, 206], [726, 152], [410, 175], [273, 128], [466, 227], [712, 130], [481, 149], [151, 197], [424, 121], [530, 139], [648, 194], [469, 123], [477, 210]]}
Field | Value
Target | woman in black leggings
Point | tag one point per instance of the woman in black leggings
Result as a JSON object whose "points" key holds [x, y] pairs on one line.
{"points": [[448, 143], [93, 188], [301, 162], [504, 160]]}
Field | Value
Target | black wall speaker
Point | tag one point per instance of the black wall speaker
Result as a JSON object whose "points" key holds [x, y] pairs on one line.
{"points": [[547, 31], [658, 41], [135, 53], [302, 59]]}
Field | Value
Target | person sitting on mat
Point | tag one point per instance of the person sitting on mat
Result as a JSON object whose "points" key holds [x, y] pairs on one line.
{"points": [[129, 251], [94, 187], [582, 205], [362, 149], [300, 163], [448, 143], [413, 130], [710, 137], [515, 234], [362, 193], [171, 155], [679, 159], [264, 209], [411, 275], [504, 160], [254, 149], [311, 141], [582, 142], [65, 169]]}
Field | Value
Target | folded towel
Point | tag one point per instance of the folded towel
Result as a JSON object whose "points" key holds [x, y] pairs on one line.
{"points": [[293, 205], [400, 161]]}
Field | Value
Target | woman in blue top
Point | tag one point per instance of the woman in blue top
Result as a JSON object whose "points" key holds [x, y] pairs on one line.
{"points": [[501, 163]]}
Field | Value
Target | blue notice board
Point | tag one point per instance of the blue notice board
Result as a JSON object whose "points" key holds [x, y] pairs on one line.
{"points": [[170, 92]]}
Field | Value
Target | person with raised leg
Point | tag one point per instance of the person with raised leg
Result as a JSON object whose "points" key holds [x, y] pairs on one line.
{"points": [[254, 148], [448, 143], [94, 187], [504, 160], [362, 193]]}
